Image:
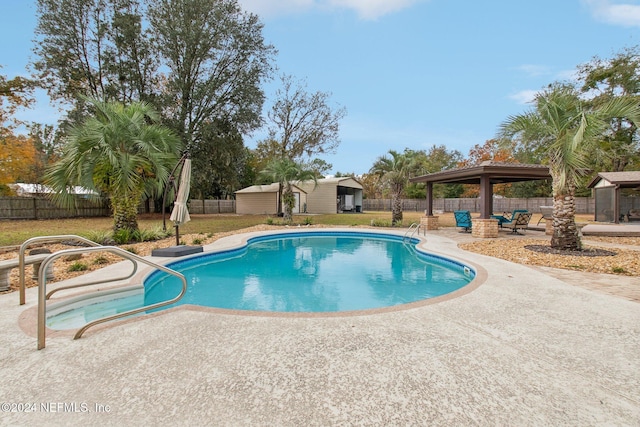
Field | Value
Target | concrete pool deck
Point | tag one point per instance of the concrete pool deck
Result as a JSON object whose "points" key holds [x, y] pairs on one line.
{"points": [[524, 348]]}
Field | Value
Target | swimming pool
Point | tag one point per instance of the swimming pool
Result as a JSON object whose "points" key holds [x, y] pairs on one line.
{"points": [[311, 271]]}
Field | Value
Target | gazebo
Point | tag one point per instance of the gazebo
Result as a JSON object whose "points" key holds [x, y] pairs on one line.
{"points": [[611, 205], [486, 174]]}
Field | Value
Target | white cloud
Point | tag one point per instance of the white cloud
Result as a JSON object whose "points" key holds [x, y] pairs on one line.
{"points": [[524, 96], [372, 9], [365, 9], [625, 14]]}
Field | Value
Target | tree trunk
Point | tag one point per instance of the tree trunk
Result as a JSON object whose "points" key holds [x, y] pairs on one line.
{"points": [[280, 199], [125, 212], [289, 201], [565, 233], [396, 209]]}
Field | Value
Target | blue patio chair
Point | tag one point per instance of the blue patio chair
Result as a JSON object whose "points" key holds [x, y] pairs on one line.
{"points": [[463, 220], [507, 218]]}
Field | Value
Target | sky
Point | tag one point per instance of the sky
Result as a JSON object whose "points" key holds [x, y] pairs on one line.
{"points": [[410, 73]]}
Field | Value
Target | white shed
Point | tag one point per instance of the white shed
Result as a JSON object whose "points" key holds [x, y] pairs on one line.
{"points": [[329, 195], [333, 195], [263, 199]]}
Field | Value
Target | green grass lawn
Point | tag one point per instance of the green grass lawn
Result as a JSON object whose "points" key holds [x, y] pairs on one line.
{"points": [[14, 232]]}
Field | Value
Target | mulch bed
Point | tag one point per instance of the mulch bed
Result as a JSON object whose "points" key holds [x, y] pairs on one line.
{"points": [[588, 252]]}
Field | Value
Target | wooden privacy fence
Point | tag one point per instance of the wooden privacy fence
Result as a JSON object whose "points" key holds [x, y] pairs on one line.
{"points": [[584, 205], [211, 206], [41, 208]]}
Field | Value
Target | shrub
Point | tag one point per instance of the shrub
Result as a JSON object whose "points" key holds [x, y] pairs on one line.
{"points": [[100, 259], [123, 236], [77, 266], [308, 221], [619, 270], [100, 237], [381, 222], [156, 233], [197, 241]]}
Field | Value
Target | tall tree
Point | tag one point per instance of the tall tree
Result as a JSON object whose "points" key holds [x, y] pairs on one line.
{"points": [[604, 80], [219, 164], [286, 172], [570, 132], [48, 146], [197, 62], [394, 170], [96, 48], [217, 59], [17, 157], [302, 125], [116, 152], [14, 93], [437, 158], [491, 150], [17, 152]]}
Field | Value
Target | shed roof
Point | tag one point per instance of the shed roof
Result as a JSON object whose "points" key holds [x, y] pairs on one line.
{"points": [[270, 188], [623, 179], [498, 172], [342, 181]]}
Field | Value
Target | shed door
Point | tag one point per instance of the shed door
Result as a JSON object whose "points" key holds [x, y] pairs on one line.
{"points": [[296, 207]]}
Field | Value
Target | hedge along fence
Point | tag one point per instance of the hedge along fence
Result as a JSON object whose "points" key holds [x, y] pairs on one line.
{"points": [[584, 205]]}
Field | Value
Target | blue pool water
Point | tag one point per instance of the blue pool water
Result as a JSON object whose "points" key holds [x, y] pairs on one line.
{"points": [[323, 271]]}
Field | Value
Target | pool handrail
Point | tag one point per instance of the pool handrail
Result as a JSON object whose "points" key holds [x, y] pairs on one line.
{"points": [[415, 227], [96, 282], [48, 239], [42, 283]]}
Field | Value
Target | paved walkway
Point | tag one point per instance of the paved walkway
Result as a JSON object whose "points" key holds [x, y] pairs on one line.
{"points": [[524, 348]]}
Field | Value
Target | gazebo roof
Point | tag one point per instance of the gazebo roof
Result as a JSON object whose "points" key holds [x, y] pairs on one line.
{"points": [[497, 172], [622, 179], [486, 174]]}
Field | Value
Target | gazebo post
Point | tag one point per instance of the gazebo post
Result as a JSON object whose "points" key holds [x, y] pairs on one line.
{"points": [[486, 197], [429, 211], [485, 226], [429, 221]]}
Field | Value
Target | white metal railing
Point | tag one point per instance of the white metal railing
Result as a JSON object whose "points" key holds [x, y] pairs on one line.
{"points": [[411, 231], [44, 239], [42, 290]]}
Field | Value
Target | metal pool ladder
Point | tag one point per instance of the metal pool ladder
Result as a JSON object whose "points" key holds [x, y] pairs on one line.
{"points": [[409, 235], [411, 232], [43, 296]]}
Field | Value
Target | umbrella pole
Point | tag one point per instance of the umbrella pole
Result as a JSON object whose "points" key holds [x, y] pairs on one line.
{"points": [[177, 236]]}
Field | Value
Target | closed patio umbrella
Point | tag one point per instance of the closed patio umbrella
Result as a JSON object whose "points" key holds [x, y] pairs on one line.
{"points": [[180, 213]]}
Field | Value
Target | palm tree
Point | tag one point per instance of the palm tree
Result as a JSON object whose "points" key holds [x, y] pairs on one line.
{"points": [[395, 172], [285, 172], [570, 133], [117, 152]]}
